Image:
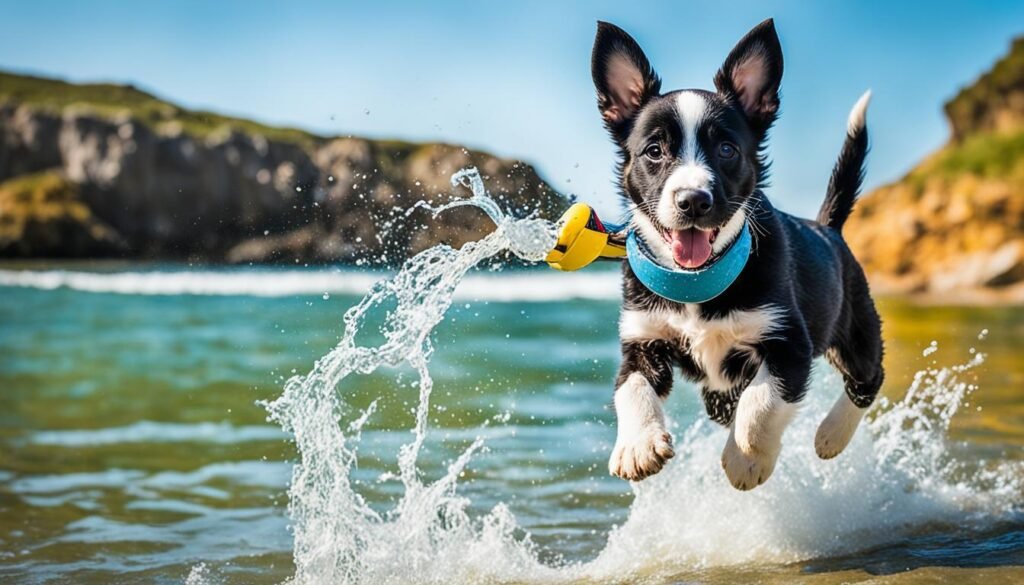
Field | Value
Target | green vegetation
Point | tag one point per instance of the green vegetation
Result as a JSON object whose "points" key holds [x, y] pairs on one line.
{"points": [[40, 197], [48, 202], [983, 105], [38, 191], [984, 155], [987, 123], [112, 100]]}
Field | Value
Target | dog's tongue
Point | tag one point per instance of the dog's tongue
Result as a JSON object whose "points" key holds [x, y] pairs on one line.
{"points": [[691, 248]]}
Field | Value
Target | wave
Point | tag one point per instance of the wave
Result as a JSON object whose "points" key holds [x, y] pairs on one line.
{"points": [[159, 432], [547, 286]]}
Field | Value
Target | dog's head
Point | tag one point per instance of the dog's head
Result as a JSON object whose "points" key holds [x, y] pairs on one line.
{"points": [[691, 159]]}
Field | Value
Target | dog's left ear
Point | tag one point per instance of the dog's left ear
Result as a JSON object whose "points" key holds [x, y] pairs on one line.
{"points": [[752, 73]]}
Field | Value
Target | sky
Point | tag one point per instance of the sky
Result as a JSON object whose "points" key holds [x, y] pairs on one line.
{"points": [[513, 78]]}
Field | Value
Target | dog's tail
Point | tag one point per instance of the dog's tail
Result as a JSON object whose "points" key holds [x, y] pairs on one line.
{"points": [[848, 174]]}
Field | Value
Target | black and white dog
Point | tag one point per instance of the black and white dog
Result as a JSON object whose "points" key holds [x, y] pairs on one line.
{"points": [[692, 167]]}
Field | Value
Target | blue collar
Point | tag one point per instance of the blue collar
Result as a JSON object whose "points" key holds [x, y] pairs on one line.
{"points": [[688, 286]]}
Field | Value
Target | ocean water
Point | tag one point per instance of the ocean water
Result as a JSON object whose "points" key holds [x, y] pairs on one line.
{"points": [[134, 450], [168, 424]]}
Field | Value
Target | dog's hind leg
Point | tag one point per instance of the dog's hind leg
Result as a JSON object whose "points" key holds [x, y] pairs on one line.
{"points": [[858, 357]]}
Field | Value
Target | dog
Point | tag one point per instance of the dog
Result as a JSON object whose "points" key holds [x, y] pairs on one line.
{"points": [[692, 168]]}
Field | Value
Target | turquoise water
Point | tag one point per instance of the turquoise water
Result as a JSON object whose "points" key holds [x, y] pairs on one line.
{"points": [[133, 449]]}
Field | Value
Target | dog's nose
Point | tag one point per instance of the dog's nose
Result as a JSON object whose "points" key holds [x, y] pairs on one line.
{"points": [[694, 202]]}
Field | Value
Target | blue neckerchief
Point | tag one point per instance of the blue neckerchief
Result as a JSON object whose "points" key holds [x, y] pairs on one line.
{"points": [[688, 286]]}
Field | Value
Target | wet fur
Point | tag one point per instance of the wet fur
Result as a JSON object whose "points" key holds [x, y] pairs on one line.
{"points": [[801, 278]]}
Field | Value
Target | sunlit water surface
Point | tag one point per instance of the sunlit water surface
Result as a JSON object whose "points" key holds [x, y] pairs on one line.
{"points": [[134, 450]]}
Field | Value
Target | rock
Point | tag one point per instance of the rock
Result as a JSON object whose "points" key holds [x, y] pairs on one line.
{"points": [[174, 184], [956, 222], [993, 103], [42, 214]]}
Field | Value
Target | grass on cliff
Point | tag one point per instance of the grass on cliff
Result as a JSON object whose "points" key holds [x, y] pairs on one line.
{"points": [[991, 156], [991, 90], [113, 100], [43, 198]]}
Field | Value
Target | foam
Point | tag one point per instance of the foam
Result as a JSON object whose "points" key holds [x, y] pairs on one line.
{"points": [[511, 286], [159, 432]]}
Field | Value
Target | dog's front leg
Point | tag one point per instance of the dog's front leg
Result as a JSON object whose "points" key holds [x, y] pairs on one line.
{"points": [[764, 410], [643, 445]]}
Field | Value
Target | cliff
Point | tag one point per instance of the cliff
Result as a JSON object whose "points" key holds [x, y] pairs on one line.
{"points": [[105, 170], [954, 226]]}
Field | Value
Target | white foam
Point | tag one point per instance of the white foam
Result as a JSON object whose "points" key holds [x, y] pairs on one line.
{"points": [[510, 286], [159, 432]]}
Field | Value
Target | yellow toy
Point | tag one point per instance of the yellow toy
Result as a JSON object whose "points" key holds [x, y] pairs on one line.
{"points": [[582, 238]]}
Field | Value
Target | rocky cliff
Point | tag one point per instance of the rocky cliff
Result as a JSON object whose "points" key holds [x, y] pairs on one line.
{"points": [[110, 171], [955, 224]]}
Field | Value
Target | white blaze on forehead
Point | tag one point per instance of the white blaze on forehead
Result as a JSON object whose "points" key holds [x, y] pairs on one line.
{"points": [[691, 107], [693, 171]]}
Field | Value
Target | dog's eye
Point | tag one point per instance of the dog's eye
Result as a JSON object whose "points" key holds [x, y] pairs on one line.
{"points": [[653, 152], [726, 150]]}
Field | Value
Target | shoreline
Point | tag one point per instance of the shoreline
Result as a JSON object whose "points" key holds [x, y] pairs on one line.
{"points": [[881, 287]]}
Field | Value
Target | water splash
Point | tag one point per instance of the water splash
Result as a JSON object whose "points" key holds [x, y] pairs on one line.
{"points": [[900, 476], [338, 537], [896, 476]]}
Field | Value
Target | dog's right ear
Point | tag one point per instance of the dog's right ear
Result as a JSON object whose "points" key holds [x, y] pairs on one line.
{"points": [[623, 77]]}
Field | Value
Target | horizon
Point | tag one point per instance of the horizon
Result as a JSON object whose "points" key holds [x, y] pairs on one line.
{"points": [[529, 96]]}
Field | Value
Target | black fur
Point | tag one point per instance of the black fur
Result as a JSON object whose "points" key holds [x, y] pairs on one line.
{"points": [[740, 366], [847, 176], [763, 106], [653, 359], [721, 406], [613, 41], [801, 267]]}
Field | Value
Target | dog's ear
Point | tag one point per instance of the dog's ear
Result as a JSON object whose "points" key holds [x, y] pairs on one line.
{"points": [[752, 73], [623, 77]]}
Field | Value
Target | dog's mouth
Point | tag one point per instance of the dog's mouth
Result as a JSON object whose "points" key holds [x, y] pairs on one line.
{"points": [[692, 247]]}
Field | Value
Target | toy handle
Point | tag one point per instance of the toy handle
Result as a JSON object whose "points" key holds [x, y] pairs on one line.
{"points": [[582, 239]]}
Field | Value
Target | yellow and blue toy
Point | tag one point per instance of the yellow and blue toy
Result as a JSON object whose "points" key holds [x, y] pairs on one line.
{"points": [[582, 239]]}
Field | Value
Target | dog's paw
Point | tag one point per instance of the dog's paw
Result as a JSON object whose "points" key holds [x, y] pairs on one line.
{"points": [[641, 454], [837, 429], [747, 469]]}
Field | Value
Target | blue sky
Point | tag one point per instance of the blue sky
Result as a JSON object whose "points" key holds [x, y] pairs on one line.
{"points": [[513, 77]]}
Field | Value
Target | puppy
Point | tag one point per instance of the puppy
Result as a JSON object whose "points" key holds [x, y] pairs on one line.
{"points": [[692, 168]]}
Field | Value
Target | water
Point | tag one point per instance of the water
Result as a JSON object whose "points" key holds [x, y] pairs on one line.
{"points": [[133, 449], [339, 537]]}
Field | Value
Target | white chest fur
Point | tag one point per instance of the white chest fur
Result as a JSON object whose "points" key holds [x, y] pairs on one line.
{"points": [[707, 341]]}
